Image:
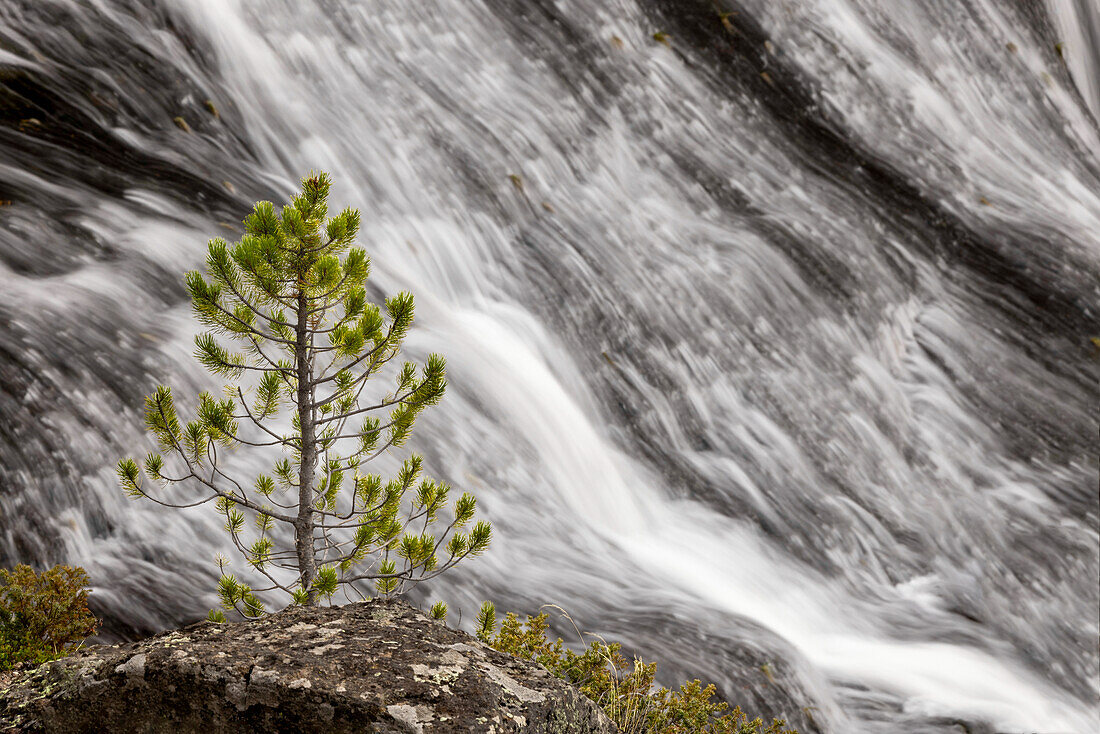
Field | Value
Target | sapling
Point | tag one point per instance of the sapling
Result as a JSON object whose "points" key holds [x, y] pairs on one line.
{"points": [[291, 295]]}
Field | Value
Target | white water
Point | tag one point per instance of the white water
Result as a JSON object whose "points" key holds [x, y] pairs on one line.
{"points": [[1078, 23], [385, 93]]}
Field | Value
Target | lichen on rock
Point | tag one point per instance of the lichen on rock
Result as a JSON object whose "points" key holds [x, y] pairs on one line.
{"points": [[378, 666]]}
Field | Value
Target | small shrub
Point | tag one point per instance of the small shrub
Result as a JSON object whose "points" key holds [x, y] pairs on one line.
{"points": [[41, 615], [625, 690]]}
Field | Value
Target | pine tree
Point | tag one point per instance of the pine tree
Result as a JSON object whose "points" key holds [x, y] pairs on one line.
{"points": [[291, 294]]}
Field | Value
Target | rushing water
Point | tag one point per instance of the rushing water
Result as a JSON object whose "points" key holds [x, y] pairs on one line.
{"points": [[769, 344]]}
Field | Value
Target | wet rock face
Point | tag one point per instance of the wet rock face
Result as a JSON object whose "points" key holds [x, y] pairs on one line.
{"points": [[378, 666]]}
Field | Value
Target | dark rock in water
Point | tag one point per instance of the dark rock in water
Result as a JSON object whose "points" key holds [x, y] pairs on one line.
{"points": [[378, 666]]}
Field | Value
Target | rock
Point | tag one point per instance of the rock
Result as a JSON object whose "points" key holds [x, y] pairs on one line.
{"points": [[378, 666]]}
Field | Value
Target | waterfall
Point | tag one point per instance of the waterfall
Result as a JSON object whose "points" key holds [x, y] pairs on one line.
{"points": [[769, 338]]}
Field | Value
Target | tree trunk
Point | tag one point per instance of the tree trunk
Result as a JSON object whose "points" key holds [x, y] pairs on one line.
{"points": [[303, 528]]}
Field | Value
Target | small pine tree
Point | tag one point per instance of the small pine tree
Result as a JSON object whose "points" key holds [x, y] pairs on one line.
{"points": [[292, 294]]}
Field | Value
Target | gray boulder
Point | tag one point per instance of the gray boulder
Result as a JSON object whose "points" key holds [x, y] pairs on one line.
{"points": [[378, 666]]}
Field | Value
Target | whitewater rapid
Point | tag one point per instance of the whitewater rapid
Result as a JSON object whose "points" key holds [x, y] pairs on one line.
{"points": [[768, 346]]}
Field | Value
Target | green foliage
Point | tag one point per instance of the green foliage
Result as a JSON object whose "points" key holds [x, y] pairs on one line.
{"points": [[486, 621], [42, 615], [625, 690], [289, 326]]}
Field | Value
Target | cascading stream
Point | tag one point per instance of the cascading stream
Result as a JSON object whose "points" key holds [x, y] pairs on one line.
{"points": [[768, 346]]}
